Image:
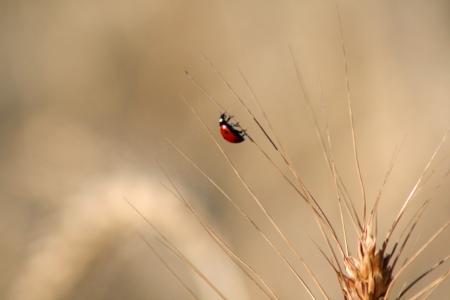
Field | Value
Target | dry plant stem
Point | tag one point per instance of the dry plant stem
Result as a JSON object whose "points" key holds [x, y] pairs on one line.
{"points": [[190, 265], [417, 217], [414, 257], [322, 216], [334, 169], [377, 258], [411, 250], [425, 204], [232, 255], [261, 207], [426, 291], [346, 284], [410, 196], [306, 192], [170, 246], [342, 189], [336, 259], [319, 216], [367, 276], [241, 211], [405, 289], [242, 102], [218, 240], [224, 247], [355, 150], [204, 91], [237, 207], [282, 153], [168, 267], [388, 173], [433, 171], [259, 148], [339, 273], [370, 269]]}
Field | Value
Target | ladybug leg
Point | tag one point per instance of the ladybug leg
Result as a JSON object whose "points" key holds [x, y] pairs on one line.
{"points": [[237, 126], [239, 129]]}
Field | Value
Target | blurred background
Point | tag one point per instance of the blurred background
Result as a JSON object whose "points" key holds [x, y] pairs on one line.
{"points": [[91, 90]]}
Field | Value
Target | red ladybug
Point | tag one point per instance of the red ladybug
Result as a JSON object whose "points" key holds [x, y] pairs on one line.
{"points": [[230, 131]]}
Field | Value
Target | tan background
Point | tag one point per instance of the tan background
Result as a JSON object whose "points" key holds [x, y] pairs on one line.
{"points": [[89, 90]]}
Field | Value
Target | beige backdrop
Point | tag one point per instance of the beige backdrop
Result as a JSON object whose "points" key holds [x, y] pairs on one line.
{"points": [[90, 89]]}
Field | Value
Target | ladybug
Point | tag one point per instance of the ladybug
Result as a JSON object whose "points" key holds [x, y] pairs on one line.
{"points": [[230, 131]]}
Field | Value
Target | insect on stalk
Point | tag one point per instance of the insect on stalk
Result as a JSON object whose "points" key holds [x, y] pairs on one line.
{"points": [[372, 271]]}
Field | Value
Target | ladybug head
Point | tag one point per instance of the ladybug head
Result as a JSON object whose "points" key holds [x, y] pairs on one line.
{"points": [[223, 118]]}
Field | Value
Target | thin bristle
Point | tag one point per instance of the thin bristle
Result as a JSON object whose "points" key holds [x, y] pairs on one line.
{"points": [[370, 272], [263, 210], [224, 247]]}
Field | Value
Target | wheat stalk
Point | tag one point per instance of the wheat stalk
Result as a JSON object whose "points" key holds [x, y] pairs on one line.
{"points": [[370, 274]]}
